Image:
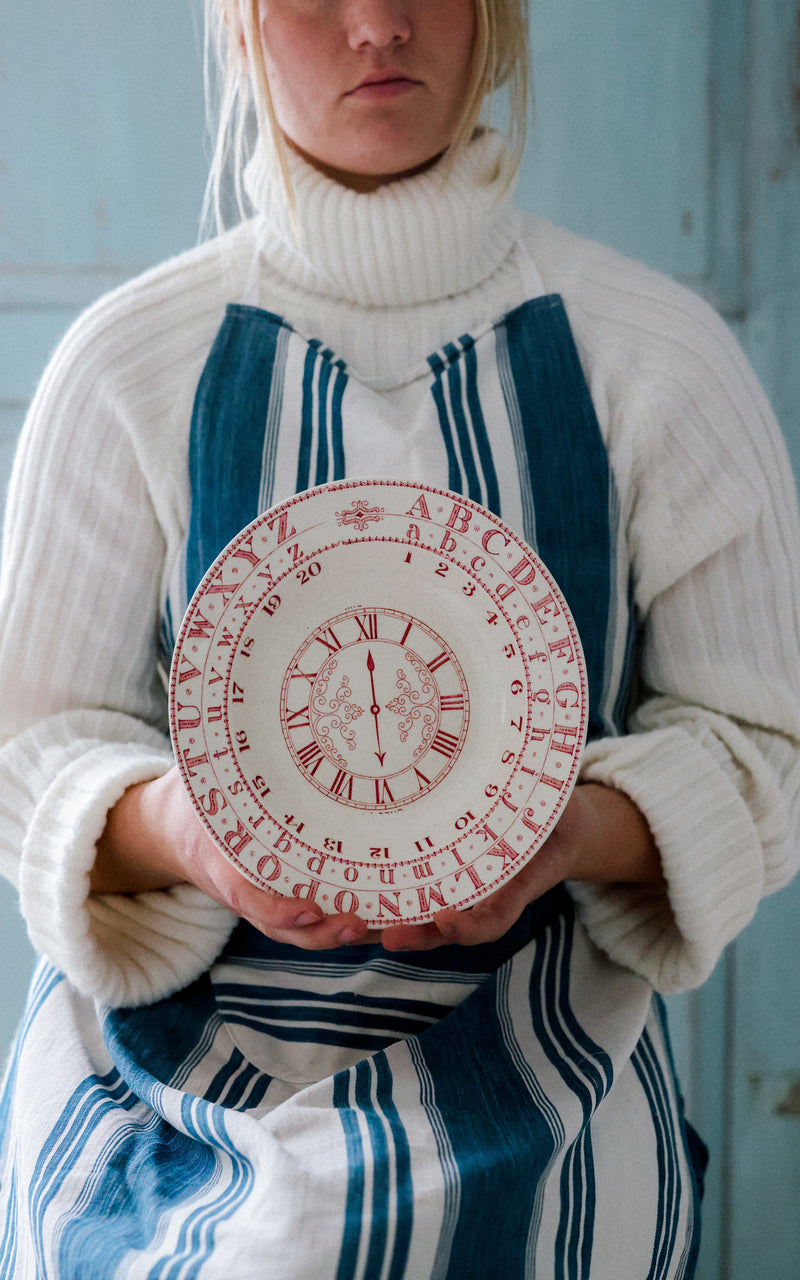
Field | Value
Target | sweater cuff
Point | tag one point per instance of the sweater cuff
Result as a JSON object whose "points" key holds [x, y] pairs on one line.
{"points": [[673, 935], [122, 950]]}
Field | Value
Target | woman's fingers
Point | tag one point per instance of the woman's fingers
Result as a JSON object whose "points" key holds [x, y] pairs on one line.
{"points": [[489, 919], [600, 837], [414, 937], [154, 839], [288, 920]]}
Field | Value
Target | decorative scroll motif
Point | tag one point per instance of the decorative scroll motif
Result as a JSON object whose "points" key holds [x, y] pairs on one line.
{"points": [[416, 703], [360, 516], [333, 714]]}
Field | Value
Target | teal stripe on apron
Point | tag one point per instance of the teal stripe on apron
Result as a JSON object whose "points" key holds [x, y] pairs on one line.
{"points": [[569, 476], [492, 496], [226, 444]]}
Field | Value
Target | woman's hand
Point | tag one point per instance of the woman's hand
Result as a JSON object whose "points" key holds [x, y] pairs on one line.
{"points": [[153, 839], [601, 836]]}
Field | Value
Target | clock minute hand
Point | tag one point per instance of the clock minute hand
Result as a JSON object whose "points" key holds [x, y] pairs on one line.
{"points": [[375, 709]]}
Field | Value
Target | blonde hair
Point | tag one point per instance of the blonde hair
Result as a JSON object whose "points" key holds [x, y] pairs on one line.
{"points": [[240, 103]]}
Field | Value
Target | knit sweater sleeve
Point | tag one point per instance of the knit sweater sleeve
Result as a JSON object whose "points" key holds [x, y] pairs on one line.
{"points": [[712, 755], [83, 712]]}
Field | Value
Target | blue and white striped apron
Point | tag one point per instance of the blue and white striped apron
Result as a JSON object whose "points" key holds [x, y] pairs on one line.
{"points": [[461, 1114]]}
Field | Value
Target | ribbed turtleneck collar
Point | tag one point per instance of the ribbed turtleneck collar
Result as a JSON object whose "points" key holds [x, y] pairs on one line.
{"points": [[419, 239]]}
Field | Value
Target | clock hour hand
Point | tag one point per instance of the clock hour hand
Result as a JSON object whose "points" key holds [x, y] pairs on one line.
{"points": [[375, 709]]}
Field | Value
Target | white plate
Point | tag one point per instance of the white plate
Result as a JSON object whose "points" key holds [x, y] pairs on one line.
{"points": [[378, 700]]}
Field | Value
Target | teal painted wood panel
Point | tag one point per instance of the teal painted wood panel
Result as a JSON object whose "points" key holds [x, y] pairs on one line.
{"points": [[28, 338], [763, 1231], [620, 142], [102, 161], [102, 110], [771, 227]]}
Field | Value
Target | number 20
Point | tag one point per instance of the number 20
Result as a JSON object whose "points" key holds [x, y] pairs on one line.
{"points": [[310, 571]]}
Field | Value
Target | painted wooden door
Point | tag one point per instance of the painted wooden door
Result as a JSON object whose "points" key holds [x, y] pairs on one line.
{"points": [[669, 128]]}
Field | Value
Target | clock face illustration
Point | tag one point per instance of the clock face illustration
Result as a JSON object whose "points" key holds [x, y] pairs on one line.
{"points": [[384, 717], [378, 700]]}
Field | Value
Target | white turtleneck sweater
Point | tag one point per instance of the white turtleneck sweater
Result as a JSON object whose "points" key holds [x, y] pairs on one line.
{"points": [[99, 505]]}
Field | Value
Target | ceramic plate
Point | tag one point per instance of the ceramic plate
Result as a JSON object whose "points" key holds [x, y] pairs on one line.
{"points": [[378, 700]]}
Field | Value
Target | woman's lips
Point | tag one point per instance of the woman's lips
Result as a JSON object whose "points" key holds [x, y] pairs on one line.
{"points": [[389, 86]]}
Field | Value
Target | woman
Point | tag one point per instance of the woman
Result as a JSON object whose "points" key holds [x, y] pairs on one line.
{"points": [[490, 1093]]}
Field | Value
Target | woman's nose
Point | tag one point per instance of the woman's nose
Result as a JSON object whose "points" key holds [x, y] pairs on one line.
{"points": [[381, 23]]}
